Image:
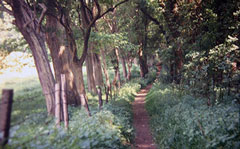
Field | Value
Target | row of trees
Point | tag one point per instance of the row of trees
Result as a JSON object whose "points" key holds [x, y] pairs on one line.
{"points": [[76, 32], [199, 44], [195, 40]]}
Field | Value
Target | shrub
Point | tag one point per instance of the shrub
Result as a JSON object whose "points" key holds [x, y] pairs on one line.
{"points": [[182, 121], [149, 78], [109, 128]]}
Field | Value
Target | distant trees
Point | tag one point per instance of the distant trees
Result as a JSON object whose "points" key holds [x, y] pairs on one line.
{"points": [[194, 39], [62, 18], [200, 45]]}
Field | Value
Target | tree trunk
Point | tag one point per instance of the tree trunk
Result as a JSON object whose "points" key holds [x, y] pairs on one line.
{"points": [[129, 73], [179, 64], [67, 54], [114, 83], [97, 70], [100, 102], [78, 79], [23, 15], [117, 68], [108, 87], [124, 67], [61, 57], [118, 78], [129, 65], [142, 62], [105, 68], [90, 78]]}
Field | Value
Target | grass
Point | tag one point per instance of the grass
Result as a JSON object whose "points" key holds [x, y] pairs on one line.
{"points": [[27, 89], [109, 128], [32, 128]]}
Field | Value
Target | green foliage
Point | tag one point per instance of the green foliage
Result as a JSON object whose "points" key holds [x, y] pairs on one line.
{"points": [[109, 128], [182, 121], [117, 40], [149, 78], [135, 71], [201, 46], [164, 76], [10, 40], [208, 73], [107, 2]]}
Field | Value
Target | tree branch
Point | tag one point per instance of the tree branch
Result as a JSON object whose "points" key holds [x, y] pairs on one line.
{"points": [[154, 20], [79, 19], [89, 11], [87, 33], [84, 13], [108, 23], [97, 15], [90, 25], [28, 22], [41, 16], [85, 47], [112, 9], [149, 16], [3, 8]]}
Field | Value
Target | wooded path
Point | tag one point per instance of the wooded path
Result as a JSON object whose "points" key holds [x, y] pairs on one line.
{"points": [[143, 138]]}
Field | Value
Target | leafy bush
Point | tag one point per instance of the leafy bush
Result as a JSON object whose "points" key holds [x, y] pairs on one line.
{"points": [[149, 78], [213, 73], [135, 71], [164, 76], [182, 121], [109, 128]]}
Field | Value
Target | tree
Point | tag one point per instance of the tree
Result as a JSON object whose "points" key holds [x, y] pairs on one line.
{"points": [[86, 20], [65, 53], [29, 26]]}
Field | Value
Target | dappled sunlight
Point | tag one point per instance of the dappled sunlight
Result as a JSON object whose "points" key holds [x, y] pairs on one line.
{"points": [[145, 146], [70, 78], [62, 49], [20, 71], [141, 94], [17, 62], [127, 74]]}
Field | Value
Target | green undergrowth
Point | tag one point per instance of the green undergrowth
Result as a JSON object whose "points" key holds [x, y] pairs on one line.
{"points": [[149, 77], [179, 120], [110, 127]]}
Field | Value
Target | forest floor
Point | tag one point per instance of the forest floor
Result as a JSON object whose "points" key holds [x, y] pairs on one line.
{"points": [[143, 138]]}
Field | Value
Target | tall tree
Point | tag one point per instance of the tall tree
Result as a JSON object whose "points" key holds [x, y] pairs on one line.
{"points": [[30, 27], [56, 37], [65, 53]]}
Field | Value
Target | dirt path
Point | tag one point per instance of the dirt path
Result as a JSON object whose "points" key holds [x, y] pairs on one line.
{"points": [[143, 138]]}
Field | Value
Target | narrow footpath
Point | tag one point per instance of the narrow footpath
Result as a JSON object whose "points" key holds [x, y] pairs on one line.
{"points": [[143, 138]]}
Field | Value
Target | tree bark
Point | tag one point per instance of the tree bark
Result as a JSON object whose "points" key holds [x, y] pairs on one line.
{"points": [[117, 68], [100, 101], [114, 82], [125, 74], [105, 68], [108, 87], [129, 65], [27, 26], [90, 77], [142, 62], [97, 69], [68, 54], [61, 57]]}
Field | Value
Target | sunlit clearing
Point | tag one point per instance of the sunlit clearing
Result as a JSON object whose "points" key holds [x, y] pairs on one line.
{"points": [[19, 65]]}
